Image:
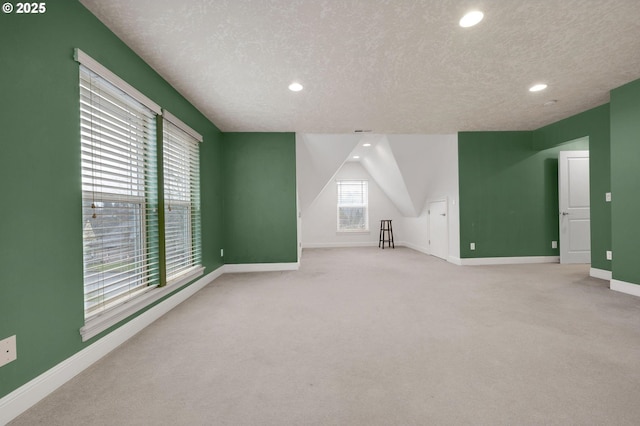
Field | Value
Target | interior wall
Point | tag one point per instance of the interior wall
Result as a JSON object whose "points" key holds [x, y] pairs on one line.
{"points": [[594, 124], [260, 208], [429, 165], [319, 221], [625, 178], [508, 194], [41, 268]]}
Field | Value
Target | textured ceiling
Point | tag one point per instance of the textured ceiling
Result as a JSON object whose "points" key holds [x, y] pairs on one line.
{"points": [[391, 66]]}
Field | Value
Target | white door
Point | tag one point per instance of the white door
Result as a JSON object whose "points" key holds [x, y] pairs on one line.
{"points": [[575, 232], [438, 229]]}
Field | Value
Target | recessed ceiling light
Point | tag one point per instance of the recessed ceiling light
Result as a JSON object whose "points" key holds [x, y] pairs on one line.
{"points": [[537, 87], [355, 157], [366, 144], [295, 87], [471, 19]]}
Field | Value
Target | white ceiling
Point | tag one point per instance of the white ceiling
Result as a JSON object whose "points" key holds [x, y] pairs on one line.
{"points": [[390, 66]]}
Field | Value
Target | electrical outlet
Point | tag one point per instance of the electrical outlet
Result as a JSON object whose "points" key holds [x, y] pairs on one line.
{"points": [[607, 197], [8, 350], [609, 255], [472, 246], [221, 252], [554, 244]]}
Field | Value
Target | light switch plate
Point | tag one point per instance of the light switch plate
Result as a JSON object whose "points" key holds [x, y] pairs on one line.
{"points": [[609, 255], [607, 197], [472, 246], [8, 350], [554, 244]]}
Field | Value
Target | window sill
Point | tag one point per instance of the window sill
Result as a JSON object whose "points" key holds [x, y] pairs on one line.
{"points": [[103, 321]]}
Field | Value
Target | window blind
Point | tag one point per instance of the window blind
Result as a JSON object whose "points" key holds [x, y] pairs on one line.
{"points": [[181, 167], [353, 200], [119, 194]]}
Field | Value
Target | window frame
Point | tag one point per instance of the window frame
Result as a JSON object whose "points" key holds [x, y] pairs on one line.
{"points": [[144, 297], [365, 205], [185, 135]]}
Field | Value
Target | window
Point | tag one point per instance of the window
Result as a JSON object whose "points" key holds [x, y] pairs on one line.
{"points": [[140, 199], [181, 197], [119, 203], [353, 200]]}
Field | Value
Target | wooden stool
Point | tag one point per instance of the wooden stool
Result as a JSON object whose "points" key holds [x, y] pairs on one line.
{"points": [[385, 227]]}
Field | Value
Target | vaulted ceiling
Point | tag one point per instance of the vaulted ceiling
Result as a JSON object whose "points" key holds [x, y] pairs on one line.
{"points": [[390, 66]]}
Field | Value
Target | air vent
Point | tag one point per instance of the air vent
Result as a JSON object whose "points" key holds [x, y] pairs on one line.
{"points": [[362, 131]]}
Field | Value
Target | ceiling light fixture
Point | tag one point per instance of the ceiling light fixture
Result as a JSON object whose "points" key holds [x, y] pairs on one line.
{"points": [[471, 19], [537, 87], [366, 144], [355, 157], [295, 87]]}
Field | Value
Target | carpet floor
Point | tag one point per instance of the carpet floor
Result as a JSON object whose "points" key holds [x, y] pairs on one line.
{"points": [[363, 336]]}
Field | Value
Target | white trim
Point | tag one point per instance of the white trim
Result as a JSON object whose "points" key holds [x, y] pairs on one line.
{"points": [[625, 287], [600, 273], [413, 247], [100, 323], [455, 260], [509, 260], [339, 245], [181, 125], [231, 268], [103, 72], [27, 395]]}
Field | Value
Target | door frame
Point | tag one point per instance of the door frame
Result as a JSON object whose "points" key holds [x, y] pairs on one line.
{"points": [[444, 200], [561, 213]]}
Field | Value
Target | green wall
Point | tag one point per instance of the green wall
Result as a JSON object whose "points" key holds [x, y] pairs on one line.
{"points": [[508, 194], [593, 123], [260, 198], [625, 182], [41, 284], [509, 187]]}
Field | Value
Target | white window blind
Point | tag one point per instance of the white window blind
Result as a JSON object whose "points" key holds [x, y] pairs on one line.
{"points": [[181, 166], [119, 194], [353, 203]]}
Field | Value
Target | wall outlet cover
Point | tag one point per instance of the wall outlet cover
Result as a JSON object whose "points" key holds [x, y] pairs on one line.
{"points": [[472, 246], [607, 197], [609, 255], [554, 244], [8, 350], [221, 252]]}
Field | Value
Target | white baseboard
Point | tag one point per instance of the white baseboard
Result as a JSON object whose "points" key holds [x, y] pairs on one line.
{"points": [[340, 245], [412, 246], [455, 260], [509, 260], [27, 395], [600, 273], [625, 287], [260, 267]]}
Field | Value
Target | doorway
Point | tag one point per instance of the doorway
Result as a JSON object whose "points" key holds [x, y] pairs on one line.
{"points": [[574, 203], [438, 229]]}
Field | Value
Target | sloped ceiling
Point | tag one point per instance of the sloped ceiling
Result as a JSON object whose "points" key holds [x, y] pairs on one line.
{"points": [[408, 168], [318, 159], [383, 167], [392, 66]]}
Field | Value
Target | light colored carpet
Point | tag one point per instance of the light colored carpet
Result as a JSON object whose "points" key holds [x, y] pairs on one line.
{"points": [[371, 337]]}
